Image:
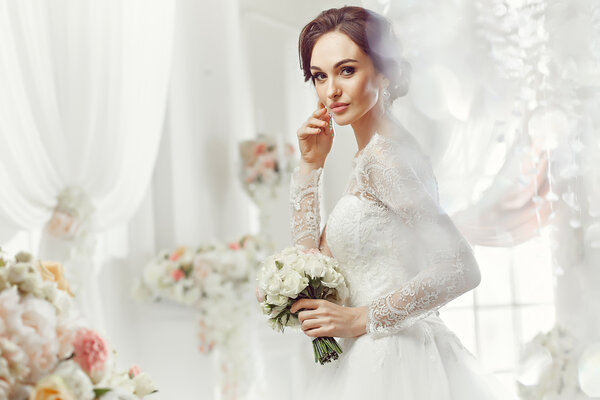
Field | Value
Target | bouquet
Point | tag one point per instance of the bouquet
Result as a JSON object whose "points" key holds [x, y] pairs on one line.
{"points": [[295, 274], [46, 349]]}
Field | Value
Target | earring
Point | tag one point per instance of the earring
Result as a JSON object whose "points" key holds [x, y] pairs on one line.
{"points": [[386, 98]]}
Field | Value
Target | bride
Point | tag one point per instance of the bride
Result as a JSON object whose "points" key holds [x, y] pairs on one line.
{"points": [[401, 255]]}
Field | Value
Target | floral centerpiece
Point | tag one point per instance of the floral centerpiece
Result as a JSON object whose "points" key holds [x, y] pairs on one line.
{"points": [[214, 280], [264, 167], [46, 349]]}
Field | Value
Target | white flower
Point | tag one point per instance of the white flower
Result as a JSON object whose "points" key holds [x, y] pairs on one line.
{"points": [[18, 271], [293, 283], [332, 278], [119, 394], [315, 268], [120, 381], [294, 262], [277, 299], [143, 385], [77, 380]]}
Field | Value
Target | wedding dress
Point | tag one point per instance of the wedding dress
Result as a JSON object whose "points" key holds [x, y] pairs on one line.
{"points": [[403, 258]]}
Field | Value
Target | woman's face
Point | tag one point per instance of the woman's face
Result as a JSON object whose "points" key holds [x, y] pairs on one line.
{"points": [[345, 78]]}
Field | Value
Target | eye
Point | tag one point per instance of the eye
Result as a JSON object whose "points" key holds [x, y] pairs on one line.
{"points": [[347, 70], [319, 76]]}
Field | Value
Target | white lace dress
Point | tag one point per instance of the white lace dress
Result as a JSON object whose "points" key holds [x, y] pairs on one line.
{"points": [[403, 258]]}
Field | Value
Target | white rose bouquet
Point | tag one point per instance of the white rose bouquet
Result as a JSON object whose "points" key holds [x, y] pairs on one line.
{"points": [[295, 274]]}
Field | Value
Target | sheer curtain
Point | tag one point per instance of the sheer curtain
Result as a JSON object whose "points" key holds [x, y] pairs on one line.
{"points": [[83, 102]]}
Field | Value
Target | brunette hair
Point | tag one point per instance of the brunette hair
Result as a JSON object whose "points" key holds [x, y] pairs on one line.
{"points": [[371, 31]]}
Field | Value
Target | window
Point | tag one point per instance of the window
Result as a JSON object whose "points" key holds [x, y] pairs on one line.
{"points": [[514, 302]]}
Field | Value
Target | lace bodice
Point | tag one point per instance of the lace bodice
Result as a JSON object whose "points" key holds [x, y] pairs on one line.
{"points": [[401, 254]]}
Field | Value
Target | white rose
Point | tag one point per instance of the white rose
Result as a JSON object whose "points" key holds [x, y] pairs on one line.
{"points": [[294, 262], [293, 283], [143, 385], [332, 279], [19, 271], [274, 284], [315, 267], [31, 284], [289, 251], [77, 380], [277, 299]]}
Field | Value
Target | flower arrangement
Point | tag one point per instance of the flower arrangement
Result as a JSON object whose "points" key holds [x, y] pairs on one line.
{"points": [[214, 280], [264, 167], [294, 274], [46, 350], [548, 367], [190, 276]]}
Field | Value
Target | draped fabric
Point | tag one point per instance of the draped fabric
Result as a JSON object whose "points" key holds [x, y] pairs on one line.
{"points": [[83, 103]]}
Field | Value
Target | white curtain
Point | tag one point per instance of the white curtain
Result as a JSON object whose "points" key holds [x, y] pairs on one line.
{"points": [[84, 87]]}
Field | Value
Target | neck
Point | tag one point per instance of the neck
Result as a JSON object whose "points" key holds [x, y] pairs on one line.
{"points": [[365, 127]]}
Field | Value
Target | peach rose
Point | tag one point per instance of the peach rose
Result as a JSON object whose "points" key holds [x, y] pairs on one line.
{"points": [[177, 253], [52, 271], [52, 387]]}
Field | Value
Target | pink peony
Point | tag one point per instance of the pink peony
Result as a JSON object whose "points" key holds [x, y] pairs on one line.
{"points": [[91, 350], [268, 162], [260, 148], [177, 274]]}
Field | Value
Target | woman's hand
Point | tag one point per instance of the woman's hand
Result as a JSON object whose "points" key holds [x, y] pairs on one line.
{"points": [[315, 138], [323, 318]]}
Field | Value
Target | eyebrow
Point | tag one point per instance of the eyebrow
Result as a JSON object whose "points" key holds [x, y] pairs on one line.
{"points": [[337, 64]]}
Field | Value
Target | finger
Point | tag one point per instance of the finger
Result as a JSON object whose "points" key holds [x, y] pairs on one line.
{"points": [[310, 324], [319, 332], [319, 112], [309, 132], [307, 314], [317, 122], [309, 304]]}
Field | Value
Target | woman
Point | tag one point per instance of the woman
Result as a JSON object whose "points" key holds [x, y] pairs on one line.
{"points": [[401, 254]]}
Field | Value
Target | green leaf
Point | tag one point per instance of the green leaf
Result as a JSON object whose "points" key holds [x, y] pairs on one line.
{"points": [[279, 264], [99, 392]]}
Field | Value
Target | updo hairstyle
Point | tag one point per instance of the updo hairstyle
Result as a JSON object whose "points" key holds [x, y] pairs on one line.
{"points": [[373, 34]]}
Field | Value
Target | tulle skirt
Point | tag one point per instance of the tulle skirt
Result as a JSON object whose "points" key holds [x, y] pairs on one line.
{"points": [[424, 362]]}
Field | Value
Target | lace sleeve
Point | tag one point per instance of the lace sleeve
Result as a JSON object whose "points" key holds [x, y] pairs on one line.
{"points": [[304, 201], [449, 268]]}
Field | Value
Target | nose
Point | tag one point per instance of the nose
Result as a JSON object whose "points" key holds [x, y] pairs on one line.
{"points": [[333, 91]]}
